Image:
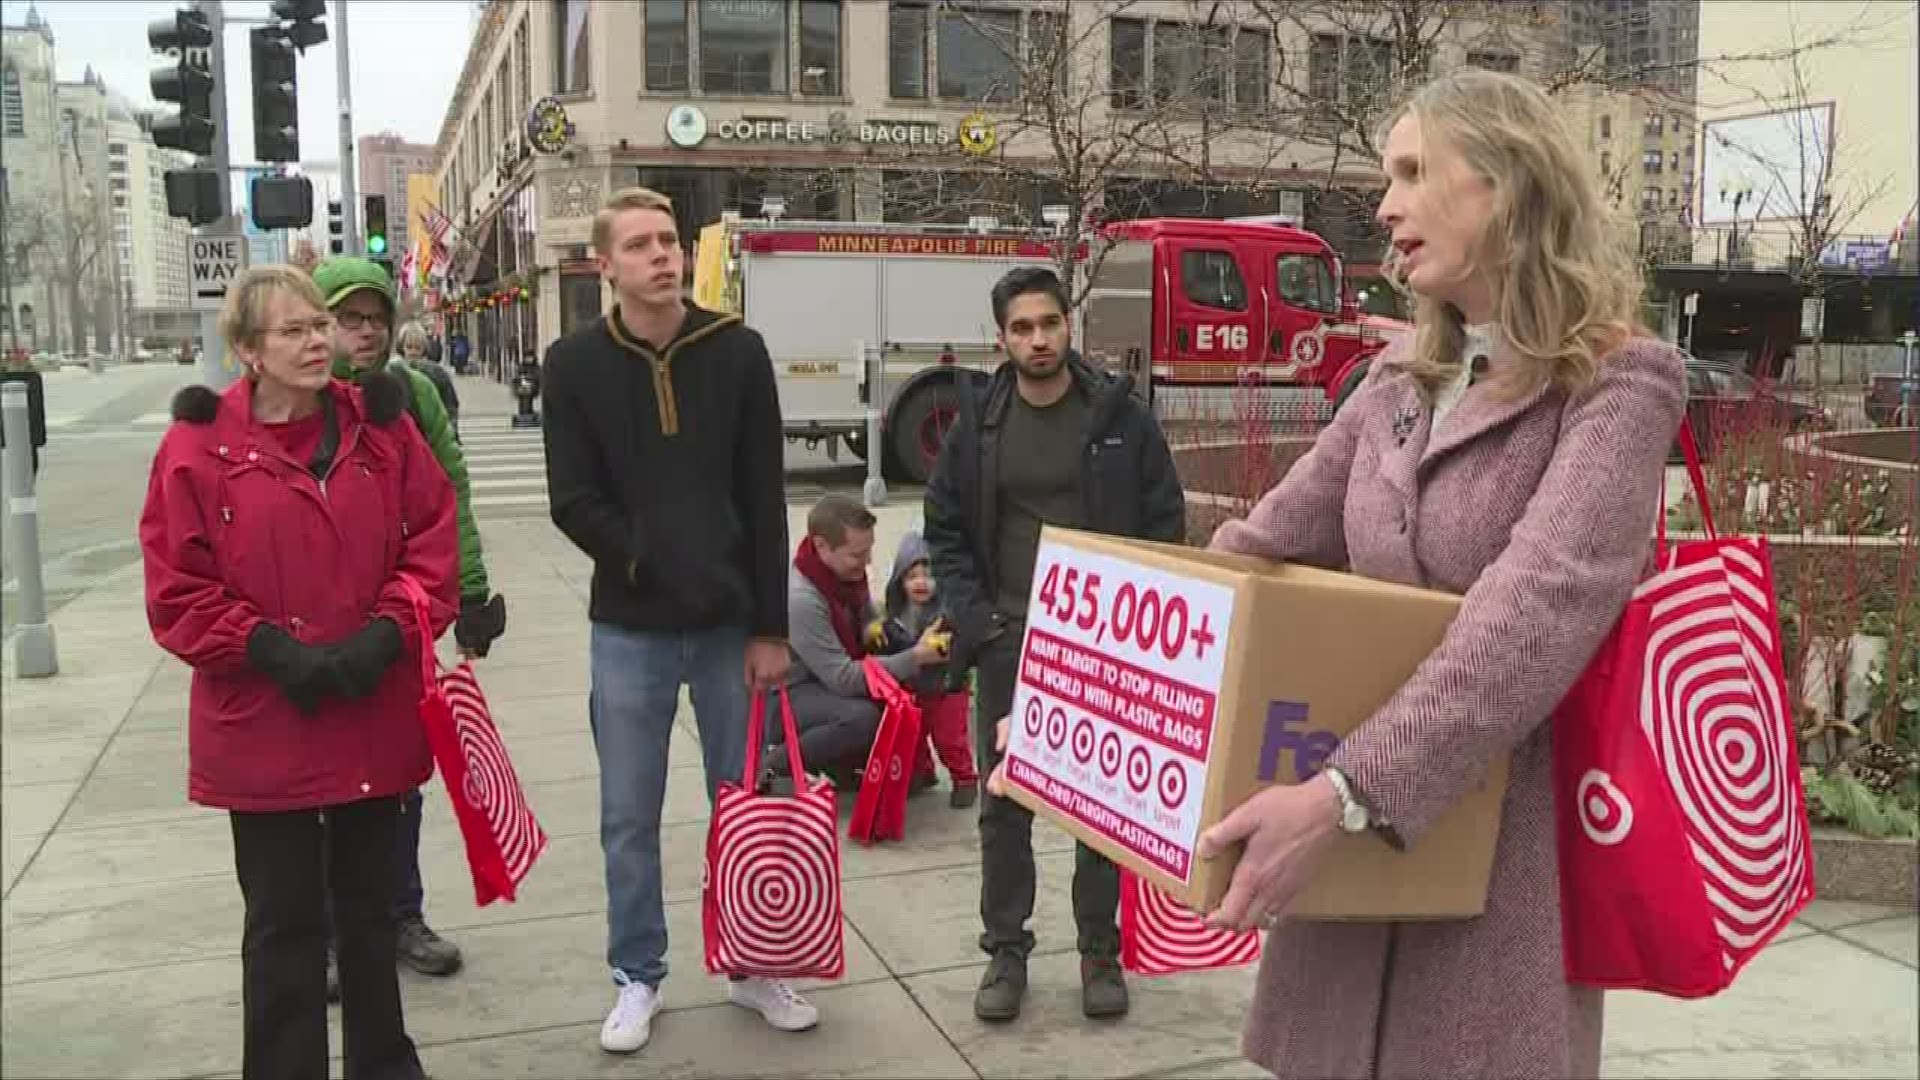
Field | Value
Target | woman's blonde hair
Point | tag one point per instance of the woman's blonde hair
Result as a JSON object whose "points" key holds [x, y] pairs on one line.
{"points": [[411, 334], [243, 318], [1566, 285]]}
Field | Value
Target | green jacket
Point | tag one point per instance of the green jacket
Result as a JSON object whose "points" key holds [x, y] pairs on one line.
{"points": [[423, 402]]}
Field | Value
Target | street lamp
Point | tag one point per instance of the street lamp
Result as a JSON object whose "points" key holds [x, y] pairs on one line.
{"points": [[1736, 192]]}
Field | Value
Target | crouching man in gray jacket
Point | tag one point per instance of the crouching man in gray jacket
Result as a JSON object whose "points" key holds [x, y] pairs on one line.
{"points": [[832, 624]]}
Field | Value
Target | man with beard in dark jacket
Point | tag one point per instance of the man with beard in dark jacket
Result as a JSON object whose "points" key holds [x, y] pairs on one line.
{"points": [[1049, 440]]}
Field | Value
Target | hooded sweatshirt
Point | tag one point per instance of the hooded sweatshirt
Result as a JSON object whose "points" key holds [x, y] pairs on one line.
{"points": [[906, 620]]}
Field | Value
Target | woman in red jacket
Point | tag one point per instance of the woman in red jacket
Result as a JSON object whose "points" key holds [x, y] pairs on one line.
{"points": [[281, 519]]}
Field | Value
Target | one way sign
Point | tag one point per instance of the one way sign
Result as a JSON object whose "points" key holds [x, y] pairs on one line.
{"points": [[213, 262]]}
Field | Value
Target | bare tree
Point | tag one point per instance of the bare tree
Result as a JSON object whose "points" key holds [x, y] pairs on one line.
{"points": [[1791, 172], [68, 250], [1102, 108]]}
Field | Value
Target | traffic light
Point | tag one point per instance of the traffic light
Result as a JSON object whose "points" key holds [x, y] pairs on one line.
{"points": [[376, 224], [276, 96], [335, 228], [302, 17], [281, 202], [188, 83], [194, 194]]}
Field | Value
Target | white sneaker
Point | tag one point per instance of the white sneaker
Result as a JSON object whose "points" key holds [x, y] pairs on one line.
{"points": [[631, 1022], [776, 1001]]}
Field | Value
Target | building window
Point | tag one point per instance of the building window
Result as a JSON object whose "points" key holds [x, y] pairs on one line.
{"points": [[573, 33], [1494, 60], [13, 109], [1651, 161], [746, 47], [907, 51], [1655, 125], [1127, 66], [966, 54], [820, 47], [1188, 63], [1252, 66], [1606, 127], [1649, 199], [1353, 70], [974, 55], [743, 46]]}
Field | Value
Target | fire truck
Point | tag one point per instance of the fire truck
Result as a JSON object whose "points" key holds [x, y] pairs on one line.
{"points": [[1203, 315]]}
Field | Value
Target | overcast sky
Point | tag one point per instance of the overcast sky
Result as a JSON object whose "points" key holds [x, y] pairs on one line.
{"points": [[406, 59]]}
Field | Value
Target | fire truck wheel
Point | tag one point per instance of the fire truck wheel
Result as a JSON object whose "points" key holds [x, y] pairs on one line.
{"points": [[919, 426]]}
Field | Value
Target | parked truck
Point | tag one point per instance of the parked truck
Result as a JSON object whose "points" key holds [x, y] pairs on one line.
{"points": [[1201, 314]]}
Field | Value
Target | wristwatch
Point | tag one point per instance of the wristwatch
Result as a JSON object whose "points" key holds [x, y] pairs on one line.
{"points": [[1354, 817]]}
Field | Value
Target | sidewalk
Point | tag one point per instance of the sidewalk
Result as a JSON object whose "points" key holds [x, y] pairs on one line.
{"points": [[122, 919]]}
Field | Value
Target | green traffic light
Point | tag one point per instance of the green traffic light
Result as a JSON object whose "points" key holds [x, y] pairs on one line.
{"points": [[376, 245]]}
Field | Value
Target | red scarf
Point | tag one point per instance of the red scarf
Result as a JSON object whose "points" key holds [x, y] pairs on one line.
{"points": [[846, 600]]}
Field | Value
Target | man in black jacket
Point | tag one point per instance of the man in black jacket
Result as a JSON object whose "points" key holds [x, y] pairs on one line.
{"points": [[1049, 440], [665, 464]]}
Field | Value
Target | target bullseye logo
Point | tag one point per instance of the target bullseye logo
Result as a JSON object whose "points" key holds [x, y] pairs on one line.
{"points": [[1083, 741], [489, 781], [1057, 728], [1166, 937], [1718, 722], [1110, 754], [1033, 718], [1173, 784], [1606, 815], [1139, 768], [774, 878]]}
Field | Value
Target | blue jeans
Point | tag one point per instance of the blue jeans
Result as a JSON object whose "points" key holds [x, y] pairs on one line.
{"points": [[637, 677]]}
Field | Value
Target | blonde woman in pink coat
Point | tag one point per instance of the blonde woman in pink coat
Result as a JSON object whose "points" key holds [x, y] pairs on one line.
{"points": [[1510, 450]]}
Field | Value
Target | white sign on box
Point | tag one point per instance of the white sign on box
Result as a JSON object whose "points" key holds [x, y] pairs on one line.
{"points": [[1117, 703]]}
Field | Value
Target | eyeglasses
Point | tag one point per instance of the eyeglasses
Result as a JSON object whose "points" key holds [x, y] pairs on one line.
{"points": [[354, 320], [298, 330]]}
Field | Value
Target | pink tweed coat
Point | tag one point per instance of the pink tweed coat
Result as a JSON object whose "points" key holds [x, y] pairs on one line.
{"points": [[1538, 511]]}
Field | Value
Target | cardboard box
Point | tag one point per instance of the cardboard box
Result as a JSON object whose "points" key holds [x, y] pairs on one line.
{"points": [[1162, 686]]}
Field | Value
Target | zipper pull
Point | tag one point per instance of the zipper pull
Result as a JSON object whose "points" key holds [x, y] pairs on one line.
{"points": [[226, 515]]}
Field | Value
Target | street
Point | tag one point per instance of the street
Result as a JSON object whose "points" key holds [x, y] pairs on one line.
{"points": [[102, 430]]}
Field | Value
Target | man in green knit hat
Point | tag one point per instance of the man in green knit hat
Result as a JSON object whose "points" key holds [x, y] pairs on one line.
{"points": [[360, 295]]}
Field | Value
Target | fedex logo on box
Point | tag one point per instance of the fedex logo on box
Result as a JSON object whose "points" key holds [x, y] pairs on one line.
{"points": [[1286, 732]]}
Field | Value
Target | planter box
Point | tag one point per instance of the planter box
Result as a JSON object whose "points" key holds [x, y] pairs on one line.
{"points": [[1849, 867]]}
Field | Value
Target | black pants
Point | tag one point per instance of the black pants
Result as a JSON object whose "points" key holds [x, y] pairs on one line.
{"points": [[290, 864], [836, 732], [1006, 837]]}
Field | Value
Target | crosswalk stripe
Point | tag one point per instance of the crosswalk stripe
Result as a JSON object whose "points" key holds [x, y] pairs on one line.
{"points": [[506, 466]]}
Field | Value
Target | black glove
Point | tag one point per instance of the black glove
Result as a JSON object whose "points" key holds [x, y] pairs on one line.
{"points": [[362, 660], [303, 672], [481, 620]]}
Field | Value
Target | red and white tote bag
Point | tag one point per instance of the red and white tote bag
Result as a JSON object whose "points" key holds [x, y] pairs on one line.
{"points": [[1684, 843], [770, 889]]}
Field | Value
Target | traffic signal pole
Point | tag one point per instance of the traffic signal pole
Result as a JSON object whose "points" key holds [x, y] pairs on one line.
{"points": [[349, 200], [215, 371]]}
